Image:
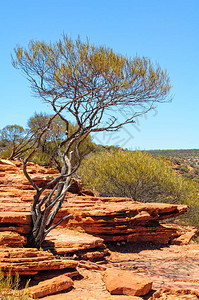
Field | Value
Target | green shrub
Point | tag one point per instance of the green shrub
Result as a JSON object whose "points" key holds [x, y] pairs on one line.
{"points": [[140, 176], [6, 153], [9, 288]]}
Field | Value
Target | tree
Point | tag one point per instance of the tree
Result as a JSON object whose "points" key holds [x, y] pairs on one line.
{"points": [[87, 84], [47, 151], [16, 140]]}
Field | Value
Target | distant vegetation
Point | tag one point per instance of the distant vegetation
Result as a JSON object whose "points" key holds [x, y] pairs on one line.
{"points": [[142, 177], [184, 162], [17, 142]]}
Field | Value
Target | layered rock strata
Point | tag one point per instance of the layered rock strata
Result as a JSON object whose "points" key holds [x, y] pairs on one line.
{"points": [[68, 242], [122, 219], [28, 261], [112, 219]]}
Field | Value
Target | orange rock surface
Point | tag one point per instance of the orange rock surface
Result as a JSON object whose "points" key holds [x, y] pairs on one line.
{"points": [[120, 282], [51, 286], [169, 267], [179, 294]]}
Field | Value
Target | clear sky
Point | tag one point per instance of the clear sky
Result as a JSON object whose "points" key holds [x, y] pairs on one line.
{"points": [[167, 31]]}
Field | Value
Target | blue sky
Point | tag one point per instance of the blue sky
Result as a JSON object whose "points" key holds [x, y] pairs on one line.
{"points": [[165, 31]]}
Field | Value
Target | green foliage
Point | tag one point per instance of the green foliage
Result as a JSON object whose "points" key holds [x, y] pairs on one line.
{"points": [[47, 151], [9, 288], [82, 78], [57, 131], [6, 153], [12, 134], [184, 162], [140, 176], [70, 59], [14, 141]]}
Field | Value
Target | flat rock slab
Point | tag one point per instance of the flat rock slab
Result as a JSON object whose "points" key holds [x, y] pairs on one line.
{"points": [[64, 241], [120, 282], [172, 267], [119, 220], [70, 240], [51, 286], [17, 218]]}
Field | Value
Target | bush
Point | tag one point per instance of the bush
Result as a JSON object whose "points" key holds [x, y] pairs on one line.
{"points": [[140, 176], [9, 288]]}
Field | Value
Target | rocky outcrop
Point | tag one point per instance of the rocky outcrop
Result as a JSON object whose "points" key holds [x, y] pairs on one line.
{"points": [[122, 219], [112, 219], [183, 294], [11, 239], [94, 219]]}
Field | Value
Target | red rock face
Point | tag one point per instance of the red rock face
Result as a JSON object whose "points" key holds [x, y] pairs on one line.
{"points": [[169, 267], [85, 246]]}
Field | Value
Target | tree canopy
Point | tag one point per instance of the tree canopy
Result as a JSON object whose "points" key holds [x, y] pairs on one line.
{"points": [[90, 82], [15, 141]]}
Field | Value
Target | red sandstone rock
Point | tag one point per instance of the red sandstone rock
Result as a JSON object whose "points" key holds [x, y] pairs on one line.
{"points": [[118, 219], [16, 218], [169, 267], [122, 220], [62, 241], [119, 282], [51, 286], [28, 261], [175, 294], [23, 254], [90, 287], [12, 239], [112, 219], [187, 233], [18, 223]]}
